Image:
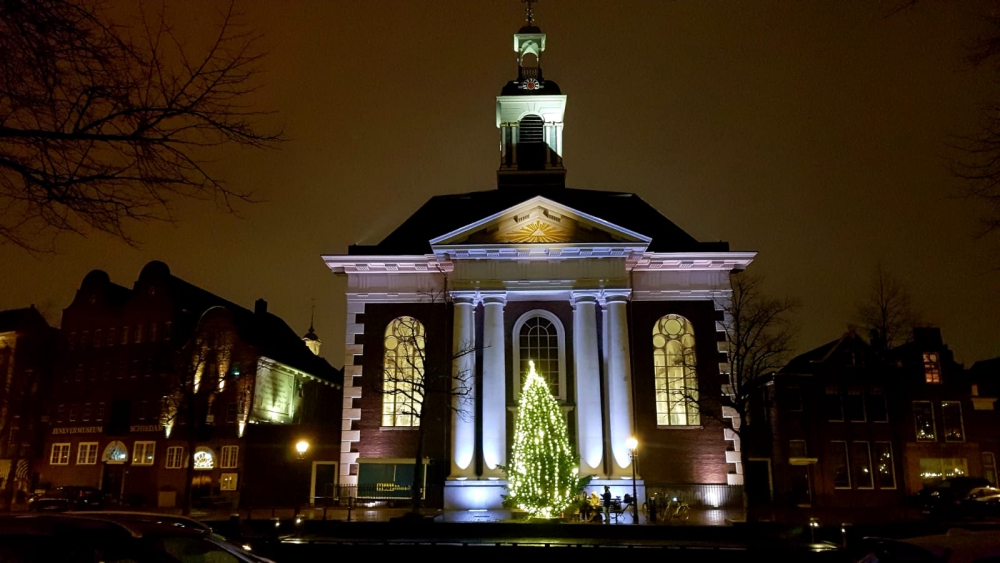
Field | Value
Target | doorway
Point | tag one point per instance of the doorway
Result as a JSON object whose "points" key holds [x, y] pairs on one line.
{"points": [[113, 481], [801, 486], [323, 485]]}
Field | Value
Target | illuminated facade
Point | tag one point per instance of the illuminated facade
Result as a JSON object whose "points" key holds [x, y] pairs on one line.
{"points": [[577, 281], [118, 415]]}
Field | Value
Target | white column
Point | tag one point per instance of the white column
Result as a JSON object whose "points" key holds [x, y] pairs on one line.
{"points": [[514, 139], [494, 386], [587, 370], [619, 382], [463, 419]]}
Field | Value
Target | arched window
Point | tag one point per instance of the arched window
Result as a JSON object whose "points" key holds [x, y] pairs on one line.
{"points": [[675, 377], [538, 337], [115, 452], [403, 372], [204, 458]]}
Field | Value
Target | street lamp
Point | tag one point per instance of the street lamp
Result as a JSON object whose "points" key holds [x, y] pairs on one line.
{"points": [[633, 453], [302, 447]]}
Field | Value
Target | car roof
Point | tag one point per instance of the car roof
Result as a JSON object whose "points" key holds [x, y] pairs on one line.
{"points": [[135, 524]]}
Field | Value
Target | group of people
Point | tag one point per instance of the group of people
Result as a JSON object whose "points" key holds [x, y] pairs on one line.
{"points": [[601, 505]]}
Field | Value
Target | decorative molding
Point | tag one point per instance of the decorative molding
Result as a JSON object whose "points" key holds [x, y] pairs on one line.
{"points": [[694, 261], [352, 391]]}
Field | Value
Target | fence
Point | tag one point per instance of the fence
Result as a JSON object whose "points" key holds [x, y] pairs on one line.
{"points": [[700, 495], [379, 494]]}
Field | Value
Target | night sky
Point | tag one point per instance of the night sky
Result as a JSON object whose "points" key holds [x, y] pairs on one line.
{"points": [[815, 133]]}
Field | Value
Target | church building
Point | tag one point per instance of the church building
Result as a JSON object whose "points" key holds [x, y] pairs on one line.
{"points": [[620, 310]]}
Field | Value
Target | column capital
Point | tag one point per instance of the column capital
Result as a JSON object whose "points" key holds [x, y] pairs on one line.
{"points": [[615, 296], [586, 296], [463, 297], [493, 297]]}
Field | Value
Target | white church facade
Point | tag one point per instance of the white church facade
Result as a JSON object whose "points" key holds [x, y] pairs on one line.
{"points": [[618, 307]]}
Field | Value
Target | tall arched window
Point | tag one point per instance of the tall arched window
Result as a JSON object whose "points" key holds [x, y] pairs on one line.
{"points": [[675, 377], [403, 372], [539, 337]]}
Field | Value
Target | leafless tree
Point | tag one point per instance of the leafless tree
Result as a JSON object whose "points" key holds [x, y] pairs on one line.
{"points": [[202, 371], [887, 310], [412, 378], [105, 121], [759, 337]]}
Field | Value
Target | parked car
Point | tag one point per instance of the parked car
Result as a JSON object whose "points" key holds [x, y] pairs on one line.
{"points": [[67, 498], [115, 537], [982, 502], [943, 499], [955, 546]]}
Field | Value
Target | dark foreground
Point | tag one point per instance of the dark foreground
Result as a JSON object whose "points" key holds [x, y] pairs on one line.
{"points": [[316, 541]]}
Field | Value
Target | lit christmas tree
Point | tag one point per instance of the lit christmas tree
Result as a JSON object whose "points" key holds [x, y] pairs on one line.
{"points": [[542, 477]]}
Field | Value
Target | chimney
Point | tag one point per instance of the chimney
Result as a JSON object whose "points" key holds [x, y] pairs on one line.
{"points": [[260, 307]]}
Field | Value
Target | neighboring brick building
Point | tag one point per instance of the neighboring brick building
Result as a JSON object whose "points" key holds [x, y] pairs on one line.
{"points": [[27, 349], [948, 432], [118, 412], [618, 307], [858, 428], [837, 419]]}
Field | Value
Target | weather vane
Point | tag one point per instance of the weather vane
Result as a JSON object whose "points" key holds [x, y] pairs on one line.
{"points": [[528, 15]]}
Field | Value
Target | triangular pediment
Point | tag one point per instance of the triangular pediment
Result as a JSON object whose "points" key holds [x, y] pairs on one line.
{"points": [[540, 221]]}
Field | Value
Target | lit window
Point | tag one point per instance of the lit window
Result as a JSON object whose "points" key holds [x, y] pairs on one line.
{"points": [[60, 454], [884, 465], [227, 482], [99, 415], [951, 421], [175, 457], [932, 368], [230, 457], [60, 413], [115, 452], [403, 372], [862, 460], [923, 417], [204, 458], [675, 375], [86, 453], [934, 469], [143, 453], [840, 465], [86, 412], [539, 338]]}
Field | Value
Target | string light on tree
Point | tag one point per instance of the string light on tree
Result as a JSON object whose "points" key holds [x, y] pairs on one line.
{"points": [[542, 476]]}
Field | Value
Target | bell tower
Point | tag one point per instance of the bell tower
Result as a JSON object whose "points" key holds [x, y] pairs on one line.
{"points": [[530, 113]]}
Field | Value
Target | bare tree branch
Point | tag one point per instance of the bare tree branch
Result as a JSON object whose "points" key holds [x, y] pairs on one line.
{"points": [[104, 124], [887, 311]]}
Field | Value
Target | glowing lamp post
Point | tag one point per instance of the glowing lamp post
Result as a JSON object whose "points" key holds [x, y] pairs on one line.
{"points": [[301, 448], [633, 453]]}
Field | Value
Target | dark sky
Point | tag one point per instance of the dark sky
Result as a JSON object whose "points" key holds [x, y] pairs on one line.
{"points": [[813, 132]]}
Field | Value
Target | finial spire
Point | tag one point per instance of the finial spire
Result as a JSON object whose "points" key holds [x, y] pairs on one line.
{"points": [[312, 315], [529, 16]]}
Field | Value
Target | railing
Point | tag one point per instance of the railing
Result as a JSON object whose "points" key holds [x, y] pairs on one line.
{"points": [[378, 494], [700, 495]]}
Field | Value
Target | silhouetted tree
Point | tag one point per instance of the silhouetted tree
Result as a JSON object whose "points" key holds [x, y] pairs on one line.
{"points": [[759, 340], [411, 379], [887, 312], [103, 120]]}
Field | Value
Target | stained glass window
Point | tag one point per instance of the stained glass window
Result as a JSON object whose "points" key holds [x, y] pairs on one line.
{"points": [[675, 375], [403, 370]]}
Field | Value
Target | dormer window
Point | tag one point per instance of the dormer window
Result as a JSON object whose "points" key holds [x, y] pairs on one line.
{"points": [[932, 367]]}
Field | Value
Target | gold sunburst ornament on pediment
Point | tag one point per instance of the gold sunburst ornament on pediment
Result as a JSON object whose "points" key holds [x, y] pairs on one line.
{"points": [[535, 232]]}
